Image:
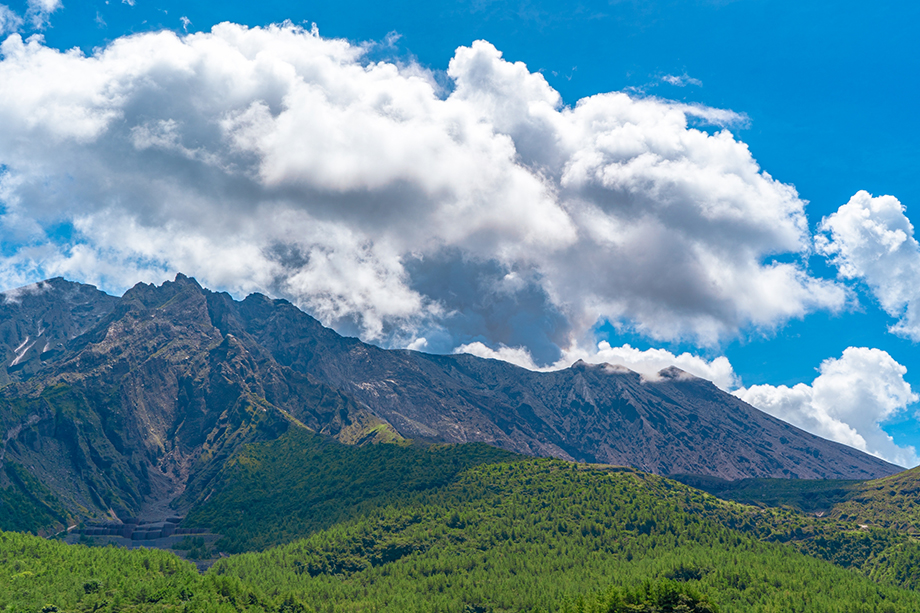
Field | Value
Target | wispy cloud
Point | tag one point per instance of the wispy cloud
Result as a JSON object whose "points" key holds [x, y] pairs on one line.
{"points": [[39, 11], [9, 20], [681, 80], [715, 117]]}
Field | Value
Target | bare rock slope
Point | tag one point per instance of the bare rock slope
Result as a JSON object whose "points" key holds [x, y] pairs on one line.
{"points": [[608, 414]]}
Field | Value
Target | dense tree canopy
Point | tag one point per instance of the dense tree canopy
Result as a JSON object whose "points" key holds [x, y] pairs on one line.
{"points": [[471, 529]]}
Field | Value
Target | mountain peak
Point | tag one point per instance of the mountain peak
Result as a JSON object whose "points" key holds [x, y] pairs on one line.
{"points": [[150, 295], [56, 284], [185, 281], [673, 373]]}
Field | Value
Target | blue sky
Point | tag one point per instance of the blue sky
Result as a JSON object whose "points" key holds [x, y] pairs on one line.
{"points": [[823, 96]]}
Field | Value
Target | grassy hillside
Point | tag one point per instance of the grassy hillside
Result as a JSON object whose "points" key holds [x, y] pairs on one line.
{"points": [[26, 505], [41, 575], [892, 502], [324, 483], [275, 492], [871, 526], [47, 576], [541, 535]]}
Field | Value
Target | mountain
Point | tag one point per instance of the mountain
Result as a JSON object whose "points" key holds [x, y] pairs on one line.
{"points": [[113, 407], [37, 320], [675, 423]]}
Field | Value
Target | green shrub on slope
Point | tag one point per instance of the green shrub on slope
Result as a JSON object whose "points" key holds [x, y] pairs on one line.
{"points": [[659, 597]]}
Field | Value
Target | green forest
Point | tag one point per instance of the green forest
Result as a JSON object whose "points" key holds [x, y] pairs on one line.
{"points": [[324, 482], [323, 527]]}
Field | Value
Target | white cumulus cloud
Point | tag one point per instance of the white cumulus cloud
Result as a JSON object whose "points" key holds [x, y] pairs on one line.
{"points": [[651, 361], [274, 159], [519, 356], [873, 240], [846, 403]]}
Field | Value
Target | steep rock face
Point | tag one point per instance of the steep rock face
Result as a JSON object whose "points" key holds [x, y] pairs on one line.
{"points": [[145, 398], [36, 322]]}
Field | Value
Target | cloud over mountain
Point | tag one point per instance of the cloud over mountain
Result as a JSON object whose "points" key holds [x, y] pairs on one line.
{"points": [[648, 363], [273, 159], [846, 402]]}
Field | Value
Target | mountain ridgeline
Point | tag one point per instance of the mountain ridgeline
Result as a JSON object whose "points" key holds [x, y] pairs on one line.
{"points": [[114, 407]]}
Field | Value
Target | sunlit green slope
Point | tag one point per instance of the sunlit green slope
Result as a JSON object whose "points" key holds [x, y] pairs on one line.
{"points": [[275, 492], [469, 528], [871, 525], [892, 502], [41, 575], [538, 534]]}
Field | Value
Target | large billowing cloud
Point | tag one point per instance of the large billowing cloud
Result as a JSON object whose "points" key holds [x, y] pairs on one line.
{"points": [[871, 239], [846, 403], [273, 159]]}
